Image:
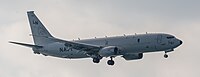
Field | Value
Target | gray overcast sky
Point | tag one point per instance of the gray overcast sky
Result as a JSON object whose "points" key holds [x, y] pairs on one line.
{"points": [[70, 19]]}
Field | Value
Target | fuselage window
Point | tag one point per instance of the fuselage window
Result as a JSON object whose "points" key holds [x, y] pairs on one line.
{"points": [[138, 40]]}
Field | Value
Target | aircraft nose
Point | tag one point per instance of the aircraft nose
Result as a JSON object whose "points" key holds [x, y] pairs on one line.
{"points": [[181, 42]]}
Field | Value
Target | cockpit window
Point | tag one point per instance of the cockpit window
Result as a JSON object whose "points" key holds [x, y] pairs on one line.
{"points": [[170, 37]]}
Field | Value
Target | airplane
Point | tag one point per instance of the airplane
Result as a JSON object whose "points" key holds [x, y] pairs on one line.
{"points": [[129, 47]]}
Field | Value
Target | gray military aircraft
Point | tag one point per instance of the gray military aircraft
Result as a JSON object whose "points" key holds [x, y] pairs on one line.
{"points": [[130, 47]]}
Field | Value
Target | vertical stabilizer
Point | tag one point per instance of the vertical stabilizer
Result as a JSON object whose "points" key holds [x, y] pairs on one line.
{"points": [[40, 34]]}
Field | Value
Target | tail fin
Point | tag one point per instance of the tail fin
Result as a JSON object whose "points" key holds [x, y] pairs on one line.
{"points": [[40, 34]]}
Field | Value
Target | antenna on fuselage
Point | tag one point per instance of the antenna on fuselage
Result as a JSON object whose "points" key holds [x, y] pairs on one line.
{"points": [[125, 36], [30, 35]]}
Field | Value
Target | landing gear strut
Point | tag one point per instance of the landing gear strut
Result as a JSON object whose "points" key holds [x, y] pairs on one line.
{"points": [[166, 51], [110, 62]]}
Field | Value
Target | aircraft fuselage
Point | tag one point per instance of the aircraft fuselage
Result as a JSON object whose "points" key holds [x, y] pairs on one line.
{"points": [[142, 43], [130, 47]]}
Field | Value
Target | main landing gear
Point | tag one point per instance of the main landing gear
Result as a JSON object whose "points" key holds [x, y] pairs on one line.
{"points": [[111, 62], [96, 60]]}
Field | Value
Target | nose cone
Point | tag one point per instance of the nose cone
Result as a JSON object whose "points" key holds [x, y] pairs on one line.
{"points": [[178, 43], [181, 42]]}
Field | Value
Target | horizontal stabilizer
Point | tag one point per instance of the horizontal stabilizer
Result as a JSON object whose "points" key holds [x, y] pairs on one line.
{"points": [[26, 45]]}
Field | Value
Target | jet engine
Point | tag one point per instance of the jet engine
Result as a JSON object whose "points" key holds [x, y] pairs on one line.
{"points": [[134, 56], [109, 51]]}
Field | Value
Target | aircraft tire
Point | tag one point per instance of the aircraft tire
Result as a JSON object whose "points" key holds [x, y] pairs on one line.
{"points": [[110, 62], [166, 56], [96, 60]]}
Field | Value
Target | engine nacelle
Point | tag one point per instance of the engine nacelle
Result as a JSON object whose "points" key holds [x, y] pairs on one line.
{"points": [[109, 51], [133, 56]]}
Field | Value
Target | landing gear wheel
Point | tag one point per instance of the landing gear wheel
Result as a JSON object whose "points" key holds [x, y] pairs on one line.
{"points": [[110, 62], [96, 60], [166, 56]]}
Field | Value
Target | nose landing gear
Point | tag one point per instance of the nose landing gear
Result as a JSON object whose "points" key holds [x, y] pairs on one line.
{"points": [[166, 55]]}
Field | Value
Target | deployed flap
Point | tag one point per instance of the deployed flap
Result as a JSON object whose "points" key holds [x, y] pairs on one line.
{"points": [[26, 45]]}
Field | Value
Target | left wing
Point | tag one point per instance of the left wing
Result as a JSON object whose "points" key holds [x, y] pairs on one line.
{"points": [[26, 45], [89, 48]]}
